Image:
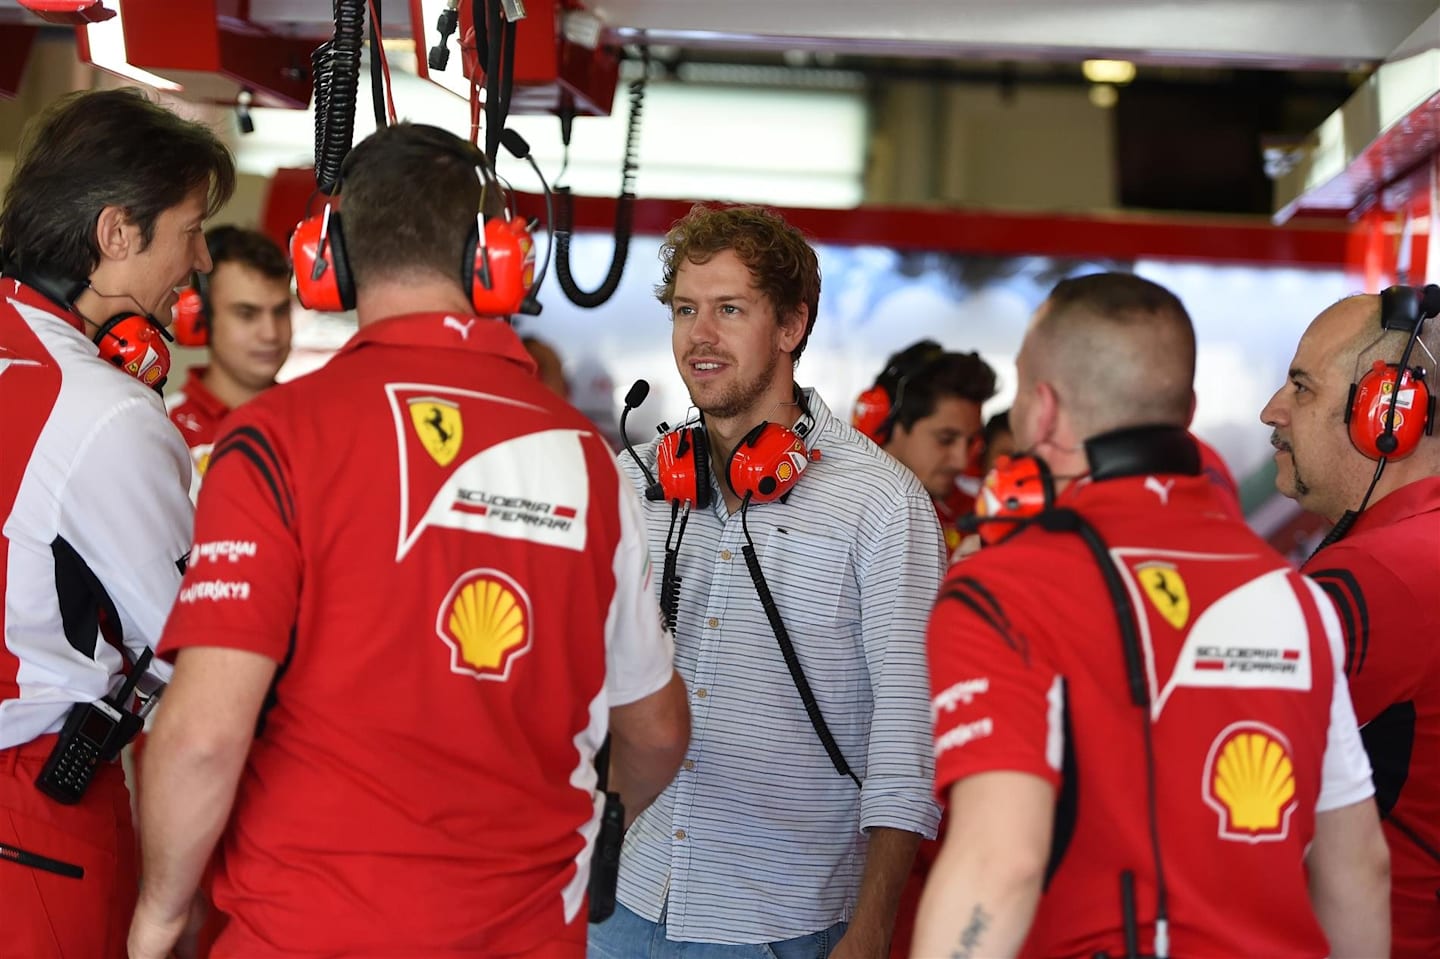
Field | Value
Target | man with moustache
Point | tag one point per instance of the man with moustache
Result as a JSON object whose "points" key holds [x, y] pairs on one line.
{"points": [[761, 845], [1381, 562], [241, 311]]}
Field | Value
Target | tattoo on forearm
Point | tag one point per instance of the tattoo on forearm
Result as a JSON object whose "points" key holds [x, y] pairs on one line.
{"points": [[970, 935]]}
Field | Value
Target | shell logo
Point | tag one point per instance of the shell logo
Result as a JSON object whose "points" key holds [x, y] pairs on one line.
{"points": [[784, 471], [1249, 781], [485, 620]]}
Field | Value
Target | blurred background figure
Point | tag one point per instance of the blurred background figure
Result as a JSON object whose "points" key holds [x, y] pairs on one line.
{"points": [[241, 313], [924, 410], [552, 368], [999, 440]]}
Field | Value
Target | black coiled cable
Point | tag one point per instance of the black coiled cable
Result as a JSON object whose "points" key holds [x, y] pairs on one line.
{"points": [[624, 212], [335, 64]]}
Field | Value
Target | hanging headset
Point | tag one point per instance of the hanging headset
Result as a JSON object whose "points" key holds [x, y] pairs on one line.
{"points": [[878, 407], [1391, 406], [497, 263]]}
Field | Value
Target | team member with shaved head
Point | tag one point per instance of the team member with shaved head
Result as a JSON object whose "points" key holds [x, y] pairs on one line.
{"points": [[1141, 720], [1381, 563]]}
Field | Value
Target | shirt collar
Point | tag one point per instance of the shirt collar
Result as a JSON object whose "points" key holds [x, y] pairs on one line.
{"points": [[1412, 499], [198, 393], [452, 331], [34, 299]]}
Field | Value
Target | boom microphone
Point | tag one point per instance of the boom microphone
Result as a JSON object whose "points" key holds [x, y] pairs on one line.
{"points": [[638, 391], [520, 150]]}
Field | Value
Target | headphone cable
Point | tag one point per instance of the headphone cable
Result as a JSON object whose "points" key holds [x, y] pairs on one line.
{"points": [[787, 651]]}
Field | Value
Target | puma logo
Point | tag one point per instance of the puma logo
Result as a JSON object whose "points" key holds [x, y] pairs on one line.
{"points": [[1160, 489], [462, 328]]}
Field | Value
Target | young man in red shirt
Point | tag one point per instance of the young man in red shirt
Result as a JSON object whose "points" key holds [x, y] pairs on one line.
{"points": [[1141, 720], [418, 597], [241, 311], [1381, 563], [924, 410]]}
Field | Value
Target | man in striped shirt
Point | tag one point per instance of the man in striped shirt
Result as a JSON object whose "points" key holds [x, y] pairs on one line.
{"points": [[762, 842]]}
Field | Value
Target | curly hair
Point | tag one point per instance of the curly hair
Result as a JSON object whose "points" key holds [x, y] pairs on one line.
{"points": [[781, 261]]}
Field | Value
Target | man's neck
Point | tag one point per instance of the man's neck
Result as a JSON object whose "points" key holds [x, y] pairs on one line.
{"points": [[226, 388], [428, 294], [1397, 476]]}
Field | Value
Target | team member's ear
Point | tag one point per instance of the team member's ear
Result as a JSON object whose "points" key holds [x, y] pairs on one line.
{"points": [[111, 235], [792, 328]]}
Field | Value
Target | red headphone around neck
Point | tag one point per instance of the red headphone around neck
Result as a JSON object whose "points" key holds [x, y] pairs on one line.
{"points": [[1391, 406], [133, 342], [764, 465], [1016, 489], [136, 344]]}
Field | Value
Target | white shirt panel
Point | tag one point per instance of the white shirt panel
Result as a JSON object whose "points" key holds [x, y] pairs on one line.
{"points": [[109, 474]]}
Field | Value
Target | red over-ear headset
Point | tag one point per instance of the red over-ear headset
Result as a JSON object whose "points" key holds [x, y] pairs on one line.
{"points": [[764, 466], [682, 467], [497, 264], [192, 313], [1391, 405], [136, 344], [131, 341], [1017, 488]]}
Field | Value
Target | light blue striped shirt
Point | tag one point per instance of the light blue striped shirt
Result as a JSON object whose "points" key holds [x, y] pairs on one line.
{"points": [[759, 839]]}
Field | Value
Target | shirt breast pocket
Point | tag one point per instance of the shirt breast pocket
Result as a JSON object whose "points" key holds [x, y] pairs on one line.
{"points": [[809, 578]]}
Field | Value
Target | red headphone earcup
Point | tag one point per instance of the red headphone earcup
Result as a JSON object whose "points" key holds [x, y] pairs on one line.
{"points": [[322, 276], [136, 346], [767, 463], [191, 327], [1017, 488], [872, 410], [509, 250], [682, 465], [1370, 412]]}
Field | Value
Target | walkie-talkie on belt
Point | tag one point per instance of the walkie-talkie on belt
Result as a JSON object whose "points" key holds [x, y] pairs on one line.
{"points": [[94, 733]]}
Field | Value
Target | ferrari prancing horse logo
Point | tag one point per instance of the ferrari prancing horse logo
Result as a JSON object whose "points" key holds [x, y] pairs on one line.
{"points": [[439, 427], [1166, 591]]}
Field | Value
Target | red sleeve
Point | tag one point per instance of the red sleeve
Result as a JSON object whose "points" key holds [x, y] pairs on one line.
{"points": [[994, 697], [1384, 659], [242, 583]]}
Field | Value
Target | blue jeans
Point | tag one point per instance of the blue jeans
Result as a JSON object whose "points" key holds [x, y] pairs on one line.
{"points": [[628, 936]]}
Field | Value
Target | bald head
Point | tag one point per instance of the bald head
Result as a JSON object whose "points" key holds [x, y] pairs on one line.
{"points": [[1118, 350]]}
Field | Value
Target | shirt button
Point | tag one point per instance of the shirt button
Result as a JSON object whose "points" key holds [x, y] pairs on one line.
{"points": [[701, 693], [724, 554], [679, 834], [689, 765], [712, 622]]}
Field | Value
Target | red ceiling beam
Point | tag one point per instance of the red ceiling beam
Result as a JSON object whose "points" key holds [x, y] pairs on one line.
{"points": [[1116, 236]]}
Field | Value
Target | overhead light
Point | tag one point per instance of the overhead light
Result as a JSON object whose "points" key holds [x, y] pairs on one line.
{"points": [[1103, 95], [1119, 72]]}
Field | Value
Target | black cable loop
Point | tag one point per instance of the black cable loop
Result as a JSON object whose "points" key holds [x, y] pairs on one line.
{"points": [[335, 65], [624, 210]]}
